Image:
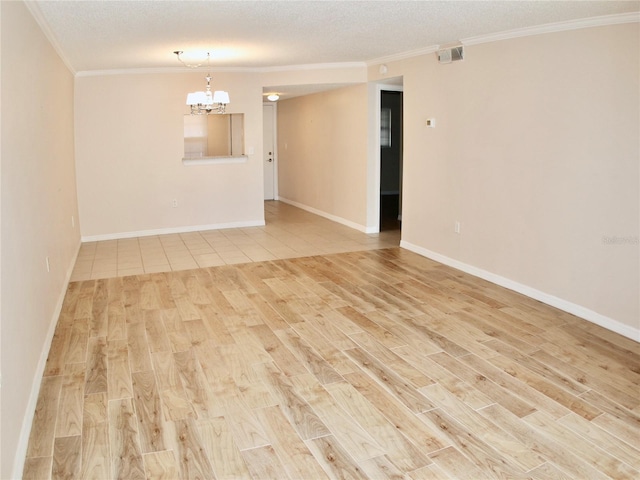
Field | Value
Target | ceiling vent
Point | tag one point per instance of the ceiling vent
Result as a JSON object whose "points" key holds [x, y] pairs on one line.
{"points": [[453, 54]]}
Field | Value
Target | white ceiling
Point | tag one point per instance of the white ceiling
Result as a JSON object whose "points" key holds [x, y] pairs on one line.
{"points": [[115, 35]]}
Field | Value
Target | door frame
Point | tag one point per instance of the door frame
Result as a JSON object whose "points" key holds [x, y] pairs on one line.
{"points": [[373, 160], [274, 112]]}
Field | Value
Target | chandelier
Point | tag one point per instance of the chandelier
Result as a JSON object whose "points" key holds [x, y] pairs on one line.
{"points": [[207, 102]]}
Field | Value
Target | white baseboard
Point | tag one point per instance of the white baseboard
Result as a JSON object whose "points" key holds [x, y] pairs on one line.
{"points": [[564, 305], [27, 421], [343, 221], [164, 231]]}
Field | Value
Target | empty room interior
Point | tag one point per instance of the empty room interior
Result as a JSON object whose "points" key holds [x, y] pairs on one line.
{"points": [[333, 239]]}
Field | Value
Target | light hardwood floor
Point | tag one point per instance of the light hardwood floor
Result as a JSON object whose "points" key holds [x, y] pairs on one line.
{"points": [[372, 364]]}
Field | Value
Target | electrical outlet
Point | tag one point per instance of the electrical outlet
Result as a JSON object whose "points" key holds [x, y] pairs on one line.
{"points": [[48, 265], [174, 203], [456, 227]]}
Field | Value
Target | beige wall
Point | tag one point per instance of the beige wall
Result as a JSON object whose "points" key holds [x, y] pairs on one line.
{"points": [[129, 149], [38, 201], [322, 152], [536, 153]]}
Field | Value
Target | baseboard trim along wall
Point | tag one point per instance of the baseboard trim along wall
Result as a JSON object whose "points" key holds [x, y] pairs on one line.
{"points": [[564, 305], [165, 231], [27, 421], [340, 220]]}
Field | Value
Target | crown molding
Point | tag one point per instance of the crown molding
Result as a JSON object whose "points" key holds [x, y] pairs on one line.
{"points": [[286, 68], [404, 55], [313, 66], [632, 17], [37, 15]]}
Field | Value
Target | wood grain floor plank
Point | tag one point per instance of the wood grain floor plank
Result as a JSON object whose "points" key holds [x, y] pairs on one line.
{"points": [[485, 385], [299, 413], [220, 447], [386, 356], [96, 379], [69, 419], [279, 353], [37, 468], [382, 335], [194, 382], [150, 296], [591, 382], [95, 438], [563, 345], [192, 460], [78, 339], [549, 389], [400, 451], [540, 443], [116, 320], [161, 465], [600, 437], [247, 431], [456, 465], [515, 452], [294, 454], [591, 453], [514, 384], [420, 326], [354, 439], [176, 332], [99, 320], [126, 456], [157, 338], [308, 357], [454, 384], [66, 458], [483, 454], [118, 370], [58, 351], [325, 348], [381, 467], [44, 420], [401, 416], [138, 347], [264, 464], [430, 472], [146, 400], [397, 386], [539, 368], [334, 459], [548, 471]]}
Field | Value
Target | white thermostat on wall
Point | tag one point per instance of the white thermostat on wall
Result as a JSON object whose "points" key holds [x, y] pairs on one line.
{"points": [[431, 122]]}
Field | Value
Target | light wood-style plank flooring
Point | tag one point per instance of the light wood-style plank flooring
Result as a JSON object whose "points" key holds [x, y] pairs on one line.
{"points": [[372, 364]]}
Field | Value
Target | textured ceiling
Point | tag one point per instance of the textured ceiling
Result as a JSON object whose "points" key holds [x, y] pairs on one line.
{"points": [[108, 35]]}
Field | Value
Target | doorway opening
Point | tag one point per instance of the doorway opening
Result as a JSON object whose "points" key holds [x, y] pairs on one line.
{"points": [[390, 160]]}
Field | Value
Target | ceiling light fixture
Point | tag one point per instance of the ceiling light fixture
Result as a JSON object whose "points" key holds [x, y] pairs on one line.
{"points": [[273, 97], [207, 102]]}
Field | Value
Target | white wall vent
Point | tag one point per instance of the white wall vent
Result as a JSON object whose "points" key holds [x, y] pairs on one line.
{"points": [[453, 54]]}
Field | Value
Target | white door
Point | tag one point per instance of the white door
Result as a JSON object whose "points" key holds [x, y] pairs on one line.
{"points": [[268, 134]]}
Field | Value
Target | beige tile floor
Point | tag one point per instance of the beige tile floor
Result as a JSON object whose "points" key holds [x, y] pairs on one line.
{"points": [[289, 232]]}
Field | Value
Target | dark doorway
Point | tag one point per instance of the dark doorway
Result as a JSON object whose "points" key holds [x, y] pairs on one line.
{"points": [[390, 160]]}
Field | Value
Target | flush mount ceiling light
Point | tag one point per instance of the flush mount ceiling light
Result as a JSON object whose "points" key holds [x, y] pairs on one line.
{"points": [[207, 102], [273, 97]]}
